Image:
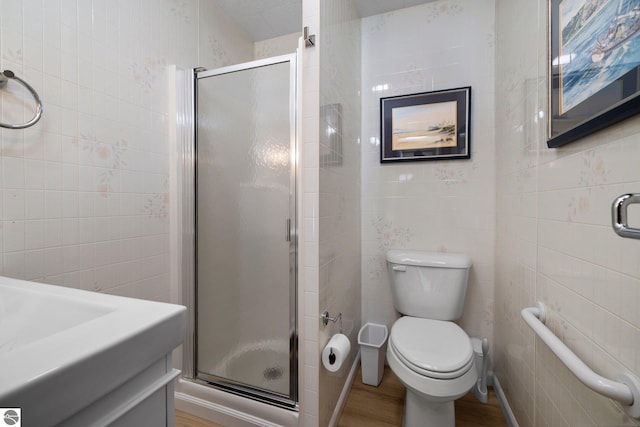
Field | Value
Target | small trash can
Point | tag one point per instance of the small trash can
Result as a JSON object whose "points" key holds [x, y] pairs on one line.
{"points": [[373, 346]]}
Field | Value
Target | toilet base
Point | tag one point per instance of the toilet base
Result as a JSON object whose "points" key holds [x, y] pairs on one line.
{"points": [[420, 412]]}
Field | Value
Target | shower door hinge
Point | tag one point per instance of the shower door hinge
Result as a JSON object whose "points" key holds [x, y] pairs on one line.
{"points": [[287, 230], [309, 39]]}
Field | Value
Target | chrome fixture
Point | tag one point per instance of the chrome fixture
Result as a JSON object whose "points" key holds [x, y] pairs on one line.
{"points": [[325, 319], [619, 219], [309, 40], [4, 79]]}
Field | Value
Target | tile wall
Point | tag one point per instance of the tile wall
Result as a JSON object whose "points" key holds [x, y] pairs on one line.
{"points": [[445, 206], [276, 46], [554, 241], [308, 241], [339, 186], [84, 194]]}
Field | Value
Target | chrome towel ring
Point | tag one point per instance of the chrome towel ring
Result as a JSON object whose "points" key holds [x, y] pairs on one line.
{"points": [[4, 78]]}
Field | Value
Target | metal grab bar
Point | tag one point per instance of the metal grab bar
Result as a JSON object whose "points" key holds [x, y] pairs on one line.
{"points": [[4, 78], [626, 390], [619, 217]]}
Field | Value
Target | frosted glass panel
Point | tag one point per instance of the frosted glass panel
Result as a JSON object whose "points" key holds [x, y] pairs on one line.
{"points": [[243, 175]]}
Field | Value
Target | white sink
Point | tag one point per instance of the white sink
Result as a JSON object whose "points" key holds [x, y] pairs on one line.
{"points": [[67, 354]]}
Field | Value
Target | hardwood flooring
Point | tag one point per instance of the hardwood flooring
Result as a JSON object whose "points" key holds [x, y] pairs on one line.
{"points": [[187, 420], [382, 406]]}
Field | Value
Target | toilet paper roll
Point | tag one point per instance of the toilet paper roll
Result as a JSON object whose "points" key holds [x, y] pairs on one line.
{"points": [[335, 352]]}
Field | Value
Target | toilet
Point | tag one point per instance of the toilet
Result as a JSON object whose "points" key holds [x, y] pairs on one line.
{"points": [[432, 356]]}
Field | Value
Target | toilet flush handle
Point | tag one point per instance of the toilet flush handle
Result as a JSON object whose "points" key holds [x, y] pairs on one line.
{"points": [[399, 268]]}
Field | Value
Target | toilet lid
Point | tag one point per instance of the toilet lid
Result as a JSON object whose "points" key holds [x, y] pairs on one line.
{"points": [[433, 348]]}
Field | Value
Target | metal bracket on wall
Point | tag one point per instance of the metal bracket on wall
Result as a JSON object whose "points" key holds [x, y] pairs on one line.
{"points": [[619, 217], [326, 318], [309, 39]]}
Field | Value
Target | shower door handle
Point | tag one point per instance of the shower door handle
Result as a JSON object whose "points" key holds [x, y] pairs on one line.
{"points": [[287, 229]]}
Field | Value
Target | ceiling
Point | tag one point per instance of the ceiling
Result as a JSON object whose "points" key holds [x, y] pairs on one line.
{"points": [[265, 19]]}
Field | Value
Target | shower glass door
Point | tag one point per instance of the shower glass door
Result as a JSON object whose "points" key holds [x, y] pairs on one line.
{"points": [[246, 338]]}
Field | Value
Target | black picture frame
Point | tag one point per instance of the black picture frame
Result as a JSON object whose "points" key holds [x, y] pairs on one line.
{"points": [[594, 67], [426, 126]]}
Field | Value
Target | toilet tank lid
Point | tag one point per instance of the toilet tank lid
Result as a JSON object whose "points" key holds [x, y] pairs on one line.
{"points": [[428, 259]]}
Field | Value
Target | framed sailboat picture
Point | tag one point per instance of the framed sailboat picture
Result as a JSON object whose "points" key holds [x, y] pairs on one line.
{"points": [[594, 66], [426, 126]]}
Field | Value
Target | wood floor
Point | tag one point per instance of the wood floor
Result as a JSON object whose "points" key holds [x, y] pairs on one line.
{"points": [[187, 420], [381, 406]]}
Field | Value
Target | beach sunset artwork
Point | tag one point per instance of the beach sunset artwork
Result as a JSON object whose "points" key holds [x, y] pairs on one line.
{"points": [[426, 126], [429, 126]]}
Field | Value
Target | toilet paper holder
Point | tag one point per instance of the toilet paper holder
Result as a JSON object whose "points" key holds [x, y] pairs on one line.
{"points": [[325, 319]]}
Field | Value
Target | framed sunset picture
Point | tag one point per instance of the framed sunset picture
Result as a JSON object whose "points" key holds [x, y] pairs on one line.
{"points": [[426, 126]]}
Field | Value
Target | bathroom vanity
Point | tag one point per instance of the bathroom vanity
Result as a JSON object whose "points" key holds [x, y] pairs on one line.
{"points": [[80, 358]]}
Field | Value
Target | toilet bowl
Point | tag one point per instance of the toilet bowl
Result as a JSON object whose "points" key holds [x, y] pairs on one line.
{"points": [[435, 362], [432, 356]]}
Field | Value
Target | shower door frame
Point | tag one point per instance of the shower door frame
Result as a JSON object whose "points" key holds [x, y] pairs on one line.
{"points": [[189, 239]]}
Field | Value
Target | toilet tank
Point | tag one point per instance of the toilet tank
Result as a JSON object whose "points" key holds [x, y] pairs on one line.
{"points": [[430, 285]]}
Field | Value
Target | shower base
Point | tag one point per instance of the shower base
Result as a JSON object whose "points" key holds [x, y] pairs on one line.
{"points": [[263, 364]]}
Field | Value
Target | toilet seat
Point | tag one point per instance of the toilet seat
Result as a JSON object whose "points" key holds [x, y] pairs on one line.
{"points": [[432, 348]]}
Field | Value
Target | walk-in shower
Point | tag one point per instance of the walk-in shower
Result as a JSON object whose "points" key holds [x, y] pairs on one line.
{"points": [[239, 267]]}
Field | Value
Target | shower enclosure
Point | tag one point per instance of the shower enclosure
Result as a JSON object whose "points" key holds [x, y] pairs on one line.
{"points": [[243, 249]]}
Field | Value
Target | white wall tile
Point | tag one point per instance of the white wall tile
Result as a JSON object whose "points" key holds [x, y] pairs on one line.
{"points": [[554, 241], [34, 234], [34, 262], [437, 206], [33, 174], [58, 175], [52, 176], [13, 204], [34, 204], [13, 172], [337, 211], [13, 237], [53, 233]]}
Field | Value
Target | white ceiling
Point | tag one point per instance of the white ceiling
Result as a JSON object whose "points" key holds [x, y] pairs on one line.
{"points": [[265, 19]]}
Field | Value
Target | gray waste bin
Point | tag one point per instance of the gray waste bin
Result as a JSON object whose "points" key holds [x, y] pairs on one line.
{"points": [[373, 347]]}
